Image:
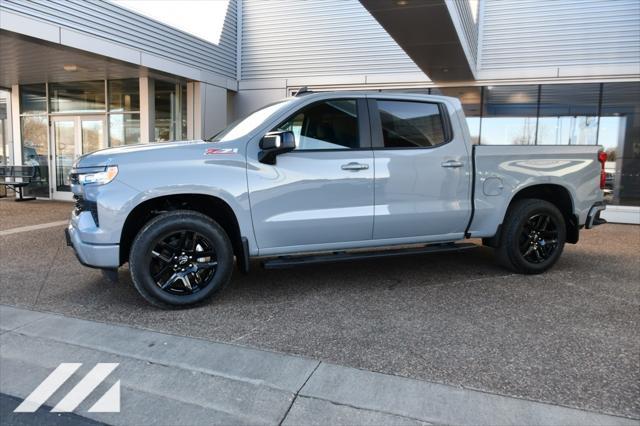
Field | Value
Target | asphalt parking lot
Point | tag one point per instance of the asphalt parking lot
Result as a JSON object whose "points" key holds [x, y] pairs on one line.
{"points": [[568, 337]]}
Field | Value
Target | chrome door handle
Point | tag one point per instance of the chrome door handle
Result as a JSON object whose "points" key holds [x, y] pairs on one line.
{"points": [[452, 163], [354, 167]]}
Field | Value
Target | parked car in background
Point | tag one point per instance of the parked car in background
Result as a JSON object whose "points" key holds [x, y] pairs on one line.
{"points": [[312, 178]]}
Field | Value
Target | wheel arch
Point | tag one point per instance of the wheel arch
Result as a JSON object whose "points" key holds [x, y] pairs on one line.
{"points": [[556, 194], [214, 207]]}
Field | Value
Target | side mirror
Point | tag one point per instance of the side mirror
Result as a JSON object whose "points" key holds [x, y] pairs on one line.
{"points": [[274, 144]]}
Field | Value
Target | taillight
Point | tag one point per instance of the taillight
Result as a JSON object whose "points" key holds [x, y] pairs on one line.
{"points": [[602, 158]]}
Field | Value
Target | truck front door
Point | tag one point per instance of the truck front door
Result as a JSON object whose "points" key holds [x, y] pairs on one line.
{"points": [[422, 171], [320, 195]]}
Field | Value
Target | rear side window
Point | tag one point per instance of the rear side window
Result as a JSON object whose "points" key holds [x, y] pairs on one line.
{"points": [[411, 124], [330, 124]]}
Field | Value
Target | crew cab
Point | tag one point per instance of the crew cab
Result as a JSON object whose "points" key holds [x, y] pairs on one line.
{"points": [[323, 177]]}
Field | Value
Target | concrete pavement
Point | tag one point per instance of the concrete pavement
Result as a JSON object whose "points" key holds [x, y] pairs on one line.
{"points": [[167, 379], [567, 337], [42, 417]]}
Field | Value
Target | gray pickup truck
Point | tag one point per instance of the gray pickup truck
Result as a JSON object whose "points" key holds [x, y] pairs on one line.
{"points": [[324, 177]]}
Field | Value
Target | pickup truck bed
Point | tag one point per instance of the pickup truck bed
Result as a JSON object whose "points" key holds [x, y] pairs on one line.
{"points": [[502, 172]]}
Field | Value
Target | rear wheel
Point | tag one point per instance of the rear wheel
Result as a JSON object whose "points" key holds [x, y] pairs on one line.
{"points": [[180, 258], [533, 237]]}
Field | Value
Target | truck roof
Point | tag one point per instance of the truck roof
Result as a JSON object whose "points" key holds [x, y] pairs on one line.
{"points": [[377, 94]]}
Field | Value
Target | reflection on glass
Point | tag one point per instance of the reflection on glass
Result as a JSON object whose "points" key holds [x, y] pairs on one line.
{"points": [[508, 130], [619, 134], [64, 143], [325, 125], [124, 95], [509, 115], [568, 114], [183, 111], [5, 132], [567, 130], [35, 152], [410, 124], [92, 135], [169, 121], [77, 96], [242, 127], [33, 99], [470, 98], [124, 129]]}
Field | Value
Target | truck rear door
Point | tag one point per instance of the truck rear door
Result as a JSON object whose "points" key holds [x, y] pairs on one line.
{"points": [[423, 171]]}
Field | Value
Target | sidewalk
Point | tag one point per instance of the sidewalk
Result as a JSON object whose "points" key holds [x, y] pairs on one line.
{"points": [[167, 379]]}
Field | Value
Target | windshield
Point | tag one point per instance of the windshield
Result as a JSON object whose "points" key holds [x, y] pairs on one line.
{"points": [[242, 127]]}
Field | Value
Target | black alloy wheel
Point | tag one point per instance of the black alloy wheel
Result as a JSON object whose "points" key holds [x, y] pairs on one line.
{"points": [[183, 262], [538, 238]]}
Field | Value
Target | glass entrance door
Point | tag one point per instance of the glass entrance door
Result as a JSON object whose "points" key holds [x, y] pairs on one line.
{"points": [[72, 136]]}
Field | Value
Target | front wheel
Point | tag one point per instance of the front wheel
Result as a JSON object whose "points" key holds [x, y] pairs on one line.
{"points": [[180, 258], [533, 237]]}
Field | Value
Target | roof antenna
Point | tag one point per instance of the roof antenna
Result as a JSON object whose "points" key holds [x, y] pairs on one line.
{"points": [[302, 91]]}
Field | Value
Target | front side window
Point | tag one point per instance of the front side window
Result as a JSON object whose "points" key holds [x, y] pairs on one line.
{"points": [[411, 124], [331, 124]]}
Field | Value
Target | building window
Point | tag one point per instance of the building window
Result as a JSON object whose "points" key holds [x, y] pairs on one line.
{"points": [[33, 99], [35, 152], [34, 129], [124, 129], [170, 111], [6, 146], [471, 99], [509, 115], [124, 112], [568, 114], [124, 95], [77, 96], [619, 134]]}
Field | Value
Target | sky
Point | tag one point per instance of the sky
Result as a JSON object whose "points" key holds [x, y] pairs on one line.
{"points": [[201, 18]]}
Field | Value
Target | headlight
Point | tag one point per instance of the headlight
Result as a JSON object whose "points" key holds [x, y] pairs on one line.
{"points": [[98, 178]]}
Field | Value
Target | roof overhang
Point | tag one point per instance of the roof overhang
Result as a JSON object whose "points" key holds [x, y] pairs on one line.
{"points": [[427, 32], [25, 38], [26, 60]]}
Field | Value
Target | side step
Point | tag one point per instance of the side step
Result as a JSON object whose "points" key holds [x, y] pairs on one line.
{"points": [[342, 256]]}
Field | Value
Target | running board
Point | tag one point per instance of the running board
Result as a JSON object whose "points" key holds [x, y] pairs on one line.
{"points": [[342, 256]]}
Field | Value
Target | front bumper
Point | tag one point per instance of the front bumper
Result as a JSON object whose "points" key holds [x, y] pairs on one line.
{"points": [[105, 256]]}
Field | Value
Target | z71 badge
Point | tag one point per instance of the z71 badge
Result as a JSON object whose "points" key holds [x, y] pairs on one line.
{"points": [[215, 151]]}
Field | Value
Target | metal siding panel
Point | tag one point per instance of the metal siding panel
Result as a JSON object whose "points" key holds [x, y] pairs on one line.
{"points": [[291, 38], [106, 20], [462, 9], [550, 33]]}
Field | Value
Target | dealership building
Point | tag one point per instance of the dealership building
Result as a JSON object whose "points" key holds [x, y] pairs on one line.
{"points": [[79, 75]]}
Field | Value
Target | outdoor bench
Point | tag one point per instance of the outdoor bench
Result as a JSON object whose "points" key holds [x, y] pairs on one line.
{"points": [[17, 178]]}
